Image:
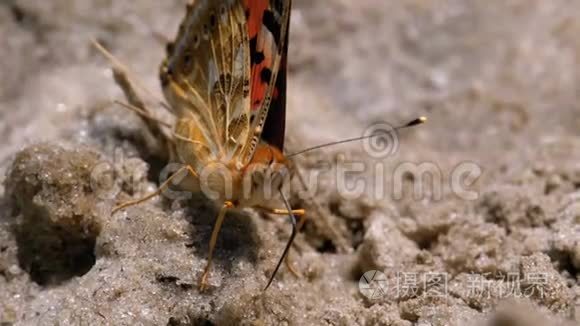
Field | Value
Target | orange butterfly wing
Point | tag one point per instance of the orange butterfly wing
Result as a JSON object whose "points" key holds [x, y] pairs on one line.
{"points": [[206, 80], [268, 25], [221, 78]]}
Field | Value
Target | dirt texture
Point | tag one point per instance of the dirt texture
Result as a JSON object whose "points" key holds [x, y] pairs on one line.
{"points": [[471, 219]]}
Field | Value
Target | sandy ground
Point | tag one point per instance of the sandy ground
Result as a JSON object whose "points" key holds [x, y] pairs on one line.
{"points": [[499, 81]]}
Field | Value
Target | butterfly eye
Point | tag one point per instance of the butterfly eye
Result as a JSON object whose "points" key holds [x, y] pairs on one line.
{"points": [[212, 20], [196, 41], [223, 11]]}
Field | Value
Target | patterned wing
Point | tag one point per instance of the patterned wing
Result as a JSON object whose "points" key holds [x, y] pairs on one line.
{"points": [[268, 24], [275, 125], [206, 79]]}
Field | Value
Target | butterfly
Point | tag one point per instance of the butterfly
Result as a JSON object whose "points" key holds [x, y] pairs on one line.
{"points": [[224, 79]]}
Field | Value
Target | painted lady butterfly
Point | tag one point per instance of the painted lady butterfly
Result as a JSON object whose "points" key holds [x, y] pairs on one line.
{"points": [[225, 80]]}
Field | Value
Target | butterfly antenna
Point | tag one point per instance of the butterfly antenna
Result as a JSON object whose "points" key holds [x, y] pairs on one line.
{"points": [[290, 241], [142, 113], [409, 124]]}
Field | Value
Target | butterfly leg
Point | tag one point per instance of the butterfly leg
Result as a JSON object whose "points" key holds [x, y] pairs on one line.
{"points": [[301, 213], [214, 235], [162, 187], [136, 104], [121, 76]]}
